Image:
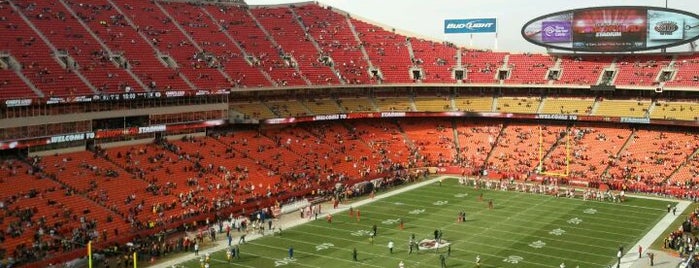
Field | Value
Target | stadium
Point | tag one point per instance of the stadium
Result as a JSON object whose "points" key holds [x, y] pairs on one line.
{"points": [[222, 134]]}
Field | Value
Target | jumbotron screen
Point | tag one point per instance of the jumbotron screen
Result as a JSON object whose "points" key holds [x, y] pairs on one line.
{"points": [[613, 29]]}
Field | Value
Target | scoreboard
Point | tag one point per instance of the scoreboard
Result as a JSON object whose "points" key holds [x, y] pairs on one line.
{"points": [[613, 29]]}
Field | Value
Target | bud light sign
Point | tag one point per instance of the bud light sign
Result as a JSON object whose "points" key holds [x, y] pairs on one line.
{"points": [[487, 25], [555, 31]]}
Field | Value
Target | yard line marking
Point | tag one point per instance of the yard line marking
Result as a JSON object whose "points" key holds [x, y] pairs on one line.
{"points": [[555, 217]]}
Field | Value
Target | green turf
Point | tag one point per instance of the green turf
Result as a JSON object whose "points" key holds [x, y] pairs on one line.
{"points": [[518, 220]]}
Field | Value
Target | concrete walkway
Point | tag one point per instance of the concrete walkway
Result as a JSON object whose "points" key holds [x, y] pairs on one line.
{"points": [[629, 260], [662, 259]]}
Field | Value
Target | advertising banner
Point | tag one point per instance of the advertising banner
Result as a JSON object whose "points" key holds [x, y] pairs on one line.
{"points": [[555, 31], [484, 25], [610, 29]]}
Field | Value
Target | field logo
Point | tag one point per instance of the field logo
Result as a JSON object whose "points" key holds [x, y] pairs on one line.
{"points": [[513, 259], [557, 231], [590, 211], [575, 221], [284, 261], [461, 195], [537, 244], [432, 244], [390, 221], [440, 203], [417, 211], [324, 246], [361, 233]]}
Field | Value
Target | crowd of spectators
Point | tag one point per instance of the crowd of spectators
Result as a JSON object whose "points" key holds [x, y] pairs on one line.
{"points": [[204, 175]]}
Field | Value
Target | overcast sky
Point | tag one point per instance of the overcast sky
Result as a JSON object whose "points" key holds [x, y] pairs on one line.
{"points": [[426, 17]]}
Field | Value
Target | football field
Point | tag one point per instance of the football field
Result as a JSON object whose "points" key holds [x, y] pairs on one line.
{"points": [[522, 230]]}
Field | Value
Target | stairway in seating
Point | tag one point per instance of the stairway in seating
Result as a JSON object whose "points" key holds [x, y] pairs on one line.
{"points": [[237, 44], [541, 104], [492, 149], [145, 38], [359, 42], [595, 105], [103, 45], [406, 138], [316, 45], [650, 108], [557, 66], [458, 58], [495, 104], [409, 45], [411, 101], [681, 166], [188, 36], [454, 128], [628, 142], [18, 72], [274, 42], [50, 45]]}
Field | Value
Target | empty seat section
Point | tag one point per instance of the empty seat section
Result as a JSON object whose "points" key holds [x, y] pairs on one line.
{"points": [[68, 35], [384, 139], [474, 104], [529, 68], [653, 155], [436, 59], [356, 105], [528, 105], [432, 104], [476, 141], [167, 38], [12, 87], [567, 106], [240, 25], [393, 104], [640, 70], [675, 110], [322, 106], [256, 110], [387, 51], [608, 107], [582, 70], [288, 108], [332, 33], [687, 72], [286, 31], [434, 140], [113, 29], [218, 49], [482, 66], [36, 58]]}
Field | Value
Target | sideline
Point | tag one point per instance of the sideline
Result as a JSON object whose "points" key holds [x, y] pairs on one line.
{"points": [[629, 259], [662, 259]]}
